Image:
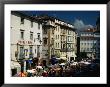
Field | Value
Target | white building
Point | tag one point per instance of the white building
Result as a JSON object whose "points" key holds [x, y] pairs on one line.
{"points": [[97, 38], [97, 44], [26, 41], [87, 42]]}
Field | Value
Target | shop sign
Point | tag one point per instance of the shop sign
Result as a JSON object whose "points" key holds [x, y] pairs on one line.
{"points": [[25, 42]]}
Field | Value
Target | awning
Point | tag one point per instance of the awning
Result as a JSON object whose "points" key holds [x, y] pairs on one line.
{"points": [[87, 63], [58, 58], [62, 64], [14, 65]]}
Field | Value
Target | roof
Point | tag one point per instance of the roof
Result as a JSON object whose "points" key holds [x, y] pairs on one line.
{"points": [[89, 30], [25, 16], [44, 18]]}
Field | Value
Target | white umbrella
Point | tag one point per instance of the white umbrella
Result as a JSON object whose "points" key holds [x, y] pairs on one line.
{"points": [[31, 71], [82, 62], [62, 64], [87, 63], [74, 63], [40, 67], [64, 58]]}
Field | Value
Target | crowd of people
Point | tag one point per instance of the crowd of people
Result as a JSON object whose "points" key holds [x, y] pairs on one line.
{"points": [[69, 69]]}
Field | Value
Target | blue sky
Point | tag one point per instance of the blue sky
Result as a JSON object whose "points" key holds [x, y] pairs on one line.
{"points": [[87, 17]]}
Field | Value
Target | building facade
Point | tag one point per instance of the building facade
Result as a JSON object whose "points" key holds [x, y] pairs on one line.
{"points": [[59, 38], [97, 38], [87, 42], [26, 42]]}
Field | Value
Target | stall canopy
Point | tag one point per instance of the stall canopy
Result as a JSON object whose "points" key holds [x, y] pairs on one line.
{"points": [[64, 58]]}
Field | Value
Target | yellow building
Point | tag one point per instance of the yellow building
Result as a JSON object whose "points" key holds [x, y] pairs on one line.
{"points": [[58, 38]]}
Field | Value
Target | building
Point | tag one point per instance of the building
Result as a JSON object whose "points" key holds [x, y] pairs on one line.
{"points": [[68, 41], [78, 47], [87, 42], [26, 42], [97, 38], [97, 44], [59, 38]]}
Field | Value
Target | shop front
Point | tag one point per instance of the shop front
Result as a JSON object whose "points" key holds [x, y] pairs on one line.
{"points": [[15, 68]]}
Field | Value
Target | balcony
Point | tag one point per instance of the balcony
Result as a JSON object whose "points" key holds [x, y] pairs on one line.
{"points": [[38, 54], [67, 50], [63, 33]]}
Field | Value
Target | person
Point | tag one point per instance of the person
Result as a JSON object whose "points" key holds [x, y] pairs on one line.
{"points": [[61, 72], [50, 72], [45, 74], [29, 74]]}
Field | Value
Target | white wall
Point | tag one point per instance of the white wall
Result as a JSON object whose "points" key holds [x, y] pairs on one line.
{"points": [[15, 34]]}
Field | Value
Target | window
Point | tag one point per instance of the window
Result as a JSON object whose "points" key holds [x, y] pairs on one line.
{"points": [[22, 34], [38, 36], [52, 41], [22, 20], [56, 28], [30, 52], [38, 49], [91, 43], [45, 41], [25, 51], [69, 46], [61, 45], [38, 25], [58, 44], [58, 36], [61, 38], [31, 35], [21, 53], [45, 31], [64, 46], [82, 43], [69, 32], [87, 49], [31, 23], [35, 50], [69, 38], [52, 31]]}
